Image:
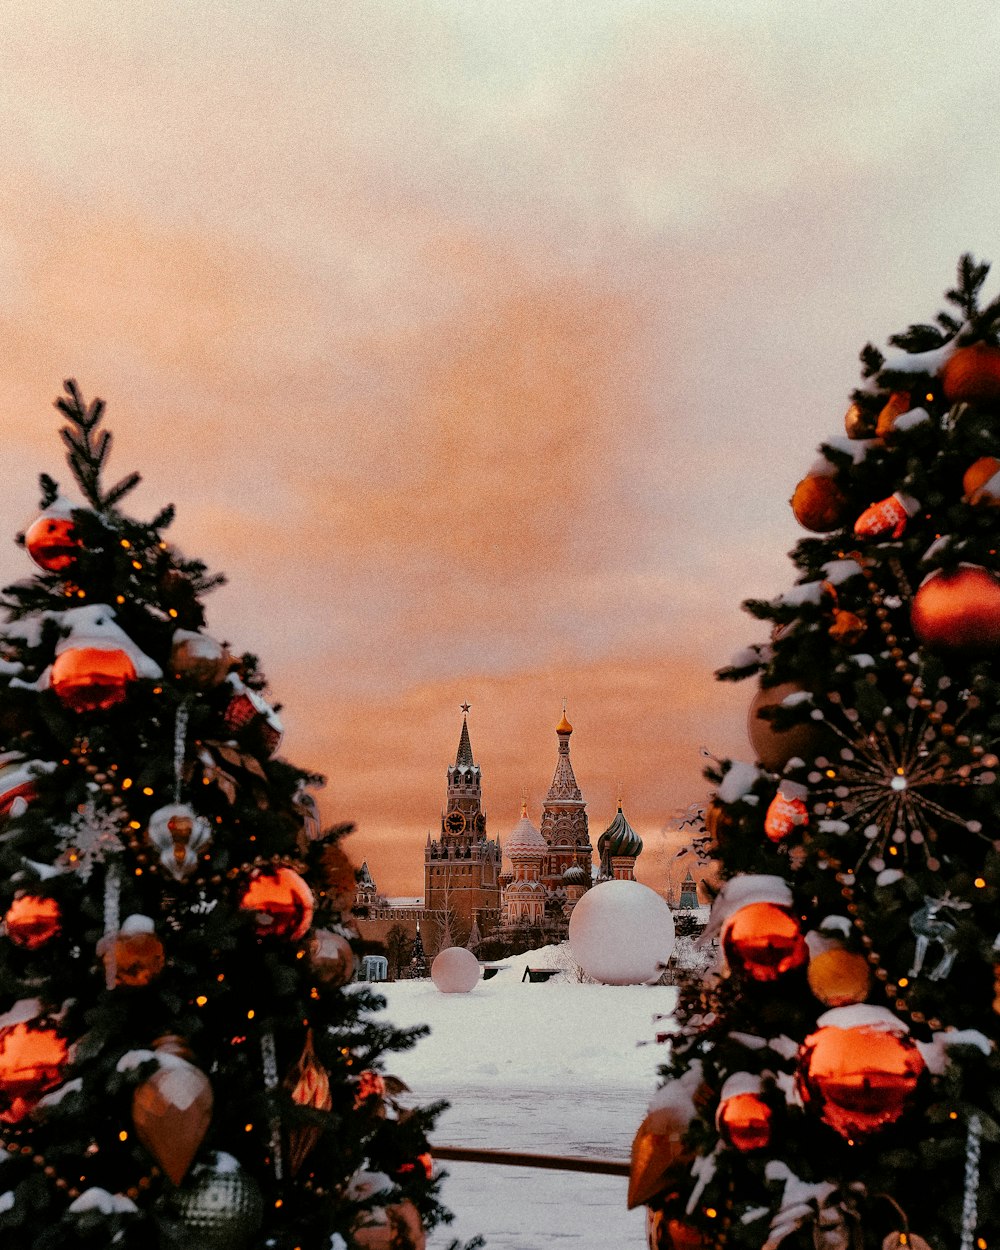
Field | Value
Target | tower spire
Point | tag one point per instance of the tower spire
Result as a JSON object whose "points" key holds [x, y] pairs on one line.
{"points": [[464, 756]]}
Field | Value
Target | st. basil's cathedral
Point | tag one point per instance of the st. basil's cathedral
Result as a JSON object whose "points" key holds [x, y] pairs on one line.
{"points": [[469, 894]]}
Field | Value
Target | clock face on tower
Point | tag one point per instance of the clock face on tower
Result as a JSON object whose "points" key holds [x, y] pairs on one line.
{"points": [[454, 822]]}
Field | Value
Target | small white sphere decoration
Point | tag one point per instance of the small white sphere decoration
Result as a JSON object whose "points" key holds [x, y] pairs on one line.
{"points": [[455, 970], [621, 933]]}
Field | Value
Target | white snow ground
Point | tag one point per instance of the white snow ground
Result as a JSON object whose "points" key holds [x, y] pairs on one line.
{"points": [[551, 1068]]}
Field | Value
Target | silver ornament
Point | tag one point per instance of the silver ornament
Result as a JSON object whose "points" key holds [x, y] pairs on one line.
{"points": [[218, 1207], [179, 834]]}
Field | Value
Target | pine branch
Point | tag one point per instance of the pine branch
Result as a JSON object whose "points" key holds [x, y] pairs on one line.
{"points": [[50, 490], [88, 448], [965, 294]]}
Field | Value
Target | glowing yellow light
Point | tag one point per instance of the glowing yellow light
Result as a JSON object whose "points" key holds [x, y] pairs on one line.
{"points": [[904, 982], [137, 564], [157, 690], [126, 544], [81, 594], [300, 954], [201, 1000], [147, 789], [251, 1014], [138, 872], [126, 783], [123, 1136], [247, 1128], [952, 1115], [134, 824], [279, 1202], [929, 396], [981, 1243], [221, 977], [119, 598], [980, 882], [314, 992], [172, 612], [893, 850], [831, 772], [711, 1212]]}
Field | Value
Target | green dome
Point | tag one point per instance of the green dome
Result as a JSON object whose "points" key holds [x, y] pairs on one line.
{"points": [[619, 839]]}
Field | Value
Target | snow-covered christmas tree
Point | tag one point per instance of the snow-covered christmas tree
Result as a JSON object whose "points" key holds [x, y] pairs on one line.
{"points": [[182, 1059], [837, 1084]]}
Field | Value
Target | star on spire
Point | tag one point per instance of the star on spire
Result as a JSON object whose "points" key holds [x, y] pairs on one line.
{"points": [[466, 708]]}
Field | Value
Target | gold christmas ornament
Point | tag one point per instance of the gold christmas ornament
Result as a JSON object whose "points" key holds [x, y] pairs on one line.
{"points": [[819, 504], [171, 1112], [180, 835], [838, 977], [657, 1149], [774, 748], [848, 629], [309, 1086], [134, 953], [972, 375], [32, 920], [197, 660], [90, 679], [978, 484], [858, 424], [332, 959], [898, 403]]}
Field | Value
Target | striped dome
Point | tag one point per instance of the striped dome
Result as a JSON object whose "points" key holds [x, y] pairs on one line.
{"points": [[574, 875], [619, 838], [525, 842]]}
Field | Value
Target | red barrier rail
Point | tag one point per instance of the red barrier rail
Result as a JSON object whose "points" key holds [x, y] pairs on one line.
{"points": [[516, 1158]]}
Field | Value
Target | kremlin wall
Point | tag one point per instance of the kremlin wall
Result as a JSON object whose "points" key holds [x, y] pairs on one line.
{"points": [[471, 896]]}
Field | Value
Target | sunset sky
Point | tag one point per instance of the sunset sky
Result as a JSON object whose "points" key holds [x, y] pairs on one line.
{"points": [[480, 344]]}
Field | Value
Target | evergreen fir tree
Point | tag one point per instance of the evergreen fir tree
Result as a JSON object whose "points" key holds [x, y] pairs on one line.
{"points": [[837, 1082], [181, 1060]]}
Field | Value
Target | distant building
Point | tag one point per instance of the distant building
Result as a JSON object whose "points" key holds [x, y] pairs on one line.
{"points": [[469, 895]]}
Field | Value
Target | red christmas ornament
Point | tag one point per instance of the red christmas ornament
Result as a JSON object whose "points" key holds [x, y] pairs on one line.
{"points": [[764, 942], [32, 1058], [786, 813], [745, 1121], [282, 901], [249, 713], [886, 518], [972, 374], [978, 482], [858, 1079], [88, 679], [32, 920], [958, 611], [51, 543], [664, 1233]]}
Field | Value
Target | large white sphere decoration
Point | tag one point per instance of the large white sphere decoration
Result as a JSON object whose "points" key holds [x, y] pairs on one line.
{"points": [[621, 933], [455, 970]]}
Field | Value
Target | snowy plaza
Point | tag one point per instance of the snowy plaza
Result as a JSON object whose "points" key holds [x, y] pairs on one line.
{"points": [[558, 1068]]}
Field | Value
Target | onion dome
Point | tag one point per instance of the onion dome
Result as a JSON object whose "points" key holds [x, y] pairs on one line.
{"points": [[574, 875], [619, 838], [525, 842], [564, 727]]}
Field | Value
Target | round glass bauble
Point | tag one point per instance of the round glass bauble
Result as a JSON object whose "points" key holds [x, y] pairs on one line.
{"points": [[972, 374], [455, 970], [958, 611], [32, 1058], [332, 958], [763, 942], [819, 504], [839, 978], [32, 920], [90, 679], [52, 543], [219, 1205], [282, 902], [746, 1122], [775, 747], [621, 933], [858, 1080]]}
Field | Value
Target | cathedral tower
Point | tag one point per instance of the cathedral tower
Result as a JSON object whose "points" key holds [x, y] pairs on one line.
{"points": [[462, 866], [564, 822]]}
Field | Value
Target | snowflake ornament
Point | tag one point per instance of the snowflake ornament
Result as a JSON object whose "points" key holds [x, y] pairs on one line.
{"points": [[895, 778], [91, 837]]}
